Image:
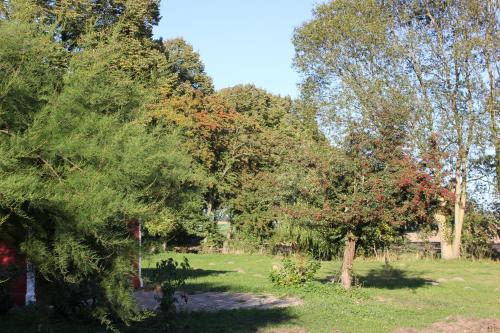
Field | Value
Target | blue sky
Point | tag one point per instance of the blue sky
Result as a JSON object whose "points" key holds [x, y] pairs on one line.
{"points": [[240, 41]]}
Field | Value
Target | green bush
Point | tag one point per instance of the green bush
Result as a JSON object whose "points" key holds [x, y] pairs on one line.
{"points": [[480, 228], [214, 239], [170, 275], [294, 272]]}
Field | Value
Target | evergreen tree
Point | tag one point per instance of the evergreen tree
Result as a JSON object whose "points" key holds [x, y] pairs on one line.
{"points": [[78, 165]]}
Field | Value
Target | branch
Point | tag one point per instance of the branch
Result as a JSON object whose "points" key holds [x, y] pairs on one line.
{"points": [[5, 132], [482, 179], [70, 162], [51, 168]]}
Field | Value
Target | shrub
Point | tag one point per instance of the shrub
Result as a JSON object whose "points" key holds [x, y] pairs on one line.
{"points": [[170, 275], [294, 272], [480, 228], [213, 240]]}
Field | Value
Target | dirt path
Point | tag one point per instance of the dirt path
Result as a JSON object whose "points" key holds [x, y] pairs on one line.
{"points": [[216, 301]]}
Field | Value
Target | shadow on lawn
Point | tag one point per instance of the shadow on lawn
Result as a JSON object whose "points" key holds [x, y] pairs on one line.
{"points": [[195, 273], [193, 285], [237, 321], [393, 278]]}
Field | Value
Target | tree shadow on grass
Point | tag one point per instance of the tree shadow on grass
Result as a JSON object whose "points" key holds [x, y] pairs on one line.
{"points": [[393, 278], [192, 274], [193, 286], [237, 321]]}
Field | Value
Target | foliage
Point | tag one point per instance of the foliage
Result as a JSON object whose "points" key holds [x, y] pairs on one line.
{"points": [[135, 18], [480, 229], [170, 275], [186, 64], [276, 140], [427, 66], [78, 165], [294, 272], [372, 70], [213, 239]]}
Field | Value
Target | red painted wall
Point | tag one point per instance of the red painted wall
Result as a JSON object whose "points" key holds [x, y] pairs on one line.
{"points": [[17, 286]]}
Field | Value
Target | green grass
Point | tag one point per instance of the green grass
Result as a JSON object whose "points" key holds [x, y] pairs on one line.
{"points": [[405, 296]]}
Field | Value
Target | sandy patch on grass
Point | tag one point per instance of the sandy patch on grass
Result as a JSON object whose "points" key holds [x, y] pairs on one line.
{"points": [[401, 302], [285, 330], [456, 278], [216, 301], [458, 325]]}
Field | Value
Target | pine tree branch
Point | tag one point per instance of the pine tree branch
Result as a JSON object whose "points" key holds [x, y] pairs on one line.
{"points": [[50, 168], [73, 164]]}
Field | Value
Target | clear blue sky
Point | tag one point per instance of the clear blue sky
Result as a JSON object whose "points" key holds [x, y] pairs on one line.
{"points": [[240, 41]]}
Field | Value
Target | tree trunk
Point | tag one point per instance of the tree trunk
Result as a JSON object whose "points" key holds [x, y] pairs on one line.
{"points": [[346, 271], [497, 162], [451, 237], [444, 236], [460, 191]]}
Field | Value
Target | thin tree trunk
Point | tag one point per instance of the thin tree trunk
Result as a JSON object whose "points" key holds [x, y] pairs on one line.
{"points": [[346, 271], [209, 207], [460, 192], [386, 258], [493, 126], [497, 161]]}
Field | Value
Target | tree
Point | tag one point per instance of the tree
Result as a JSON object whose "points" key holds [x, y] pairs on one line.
{"points": [[488, 45], [276, 144], [32, 67], [78, 164], [187, 66], [74, 19], [424, 54], [268, 109], [353, 72], [456, 91]]}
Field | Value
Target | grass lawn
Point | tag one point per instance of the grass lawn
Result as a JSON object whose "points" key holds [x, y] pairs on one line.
{"points": [[414, 293]]}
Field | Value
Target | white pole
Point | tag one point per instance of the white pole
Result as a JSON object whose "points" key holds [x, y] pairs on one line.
{"points": [[30, 284]]}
